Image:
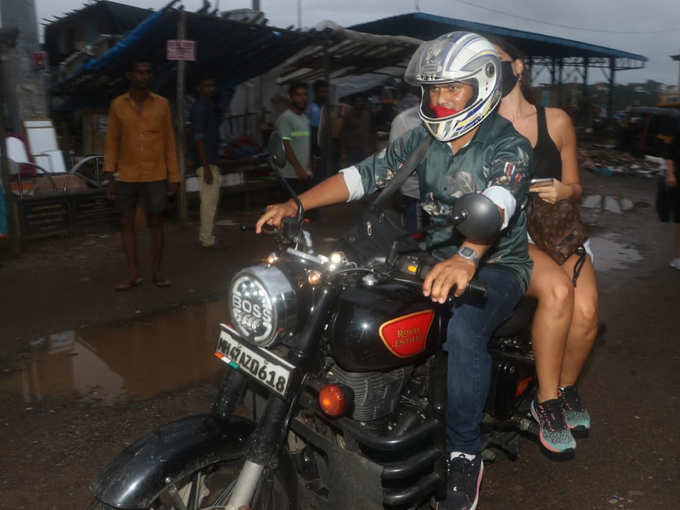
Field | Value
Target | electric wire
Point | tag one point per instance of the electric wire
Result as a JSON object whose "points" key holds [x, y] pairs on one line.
{"points": [[571, 27]]}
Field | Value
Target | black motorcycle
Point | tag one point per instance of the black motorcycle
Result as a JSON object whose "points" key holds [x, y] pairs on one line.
{"points": [[347, 353]]}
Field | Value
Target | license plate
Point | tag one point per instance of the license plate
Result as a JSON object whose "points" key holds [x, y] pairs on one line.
{"points": [[263, 366]]}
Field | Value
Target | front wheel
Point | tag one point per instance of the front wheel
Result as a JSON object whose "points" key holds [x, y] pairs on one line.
{"points": [[209, 487]]}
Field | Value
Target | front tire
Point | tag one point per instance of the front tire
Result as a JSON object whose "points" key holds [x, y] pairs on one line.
{"points": [[210, 486]]}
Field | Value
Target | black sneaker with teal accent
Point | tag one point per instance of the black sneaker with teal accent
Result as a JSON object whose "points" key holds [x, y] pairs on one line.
{"points": [[462, 482], [554, 433], [576, 416]]}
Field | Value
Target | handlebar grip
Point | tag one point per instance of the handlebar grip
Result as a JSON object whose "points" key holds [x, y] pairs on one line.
{"points": [[474, 288], [477, 288], [288, 221]]}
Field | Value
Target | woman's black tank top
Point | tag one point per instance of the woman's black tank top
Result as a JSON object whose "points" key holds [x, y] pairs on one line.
{"points": [[547, 160]]}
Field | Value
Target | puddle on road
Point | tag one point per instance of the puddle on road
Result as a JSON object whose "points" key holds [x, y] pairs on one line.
{"points": [[136, 360], [611, 253], [610, 203], [156, 354]]}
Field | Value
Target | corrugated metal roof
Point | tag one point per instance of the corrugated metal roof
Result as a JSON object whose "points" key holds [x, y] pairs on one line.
{"points": [[348, 52], [429, 26]]}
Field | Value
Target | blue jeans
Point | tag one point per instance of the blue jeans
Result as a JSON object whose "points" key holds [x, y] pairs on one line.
{"points": [[469, 362]]}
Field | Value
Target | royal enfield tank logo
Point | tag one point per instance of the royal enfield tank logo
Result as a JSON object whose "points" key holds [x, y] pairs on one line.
{"points": [[406, 336]]}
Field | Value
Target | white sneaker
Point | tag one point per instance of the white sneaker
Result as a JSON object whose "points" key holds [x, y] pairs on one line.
{"points": [[675, 263]]}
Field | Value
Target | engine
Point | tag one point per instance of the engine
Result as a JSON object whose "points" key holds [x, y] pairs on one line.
{"points": [[376, 394]]}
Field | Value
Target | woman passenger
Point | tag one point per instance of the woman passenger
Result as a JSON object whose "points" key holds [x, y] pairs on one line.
{"points": [[566, 319]]}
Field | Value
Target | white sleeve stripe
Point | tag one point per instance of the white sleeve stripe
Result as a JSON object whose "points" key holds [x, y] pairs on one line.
{"points": [[353, 183], [503, 199]]}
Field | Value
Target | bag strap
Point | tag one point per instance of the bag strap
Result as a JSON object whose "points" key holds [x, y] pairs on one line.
{"points": [[581, 252], [407, 169]]}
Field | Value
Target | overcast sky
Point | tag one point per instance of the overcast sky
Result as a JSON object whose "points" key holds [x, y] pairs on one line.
{"points": [[646, 27]]}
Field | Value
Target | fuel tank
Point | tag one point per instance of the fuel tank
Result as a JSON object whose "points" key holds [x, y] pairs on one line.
{"points": [[384, 327]]}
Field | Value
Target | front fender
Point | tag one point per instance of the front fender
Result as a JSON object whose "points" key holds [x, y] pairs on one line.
{"points": [[138, 474]]}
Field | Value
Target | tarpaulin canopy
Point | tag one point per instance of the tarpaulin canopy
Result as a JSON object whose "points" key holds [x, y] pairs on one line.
{"points": [[230, 51]]}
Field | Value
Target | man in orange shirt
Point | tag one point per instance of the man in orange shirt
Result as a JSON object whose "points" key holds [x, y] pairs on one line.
{"points": [[141, 160]]}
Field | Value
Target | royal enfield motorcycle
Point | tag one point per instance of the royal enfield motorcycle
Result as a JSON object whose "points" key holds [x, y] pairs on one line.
{"points": [[347, 354]]}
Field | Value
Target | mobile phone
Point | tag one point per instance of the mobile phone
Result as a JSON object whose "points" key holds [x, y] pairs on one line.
{"points": [[542, 181]]}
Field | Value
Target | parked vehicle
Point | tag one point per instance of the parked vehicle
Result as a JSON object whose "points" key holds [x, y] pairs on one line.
{"points": [[348, 353], [649, 130]]}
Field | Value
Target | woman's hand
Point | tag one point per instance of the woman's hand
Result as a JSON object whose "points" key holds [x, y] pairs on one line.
{"points": [[671, 180], [274, 215], [552, 192], [443, 276]]}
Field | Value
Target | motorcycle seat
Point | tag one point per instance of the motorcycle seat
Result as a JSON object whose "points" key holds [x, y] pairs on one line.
{"points": [[519, 319]]}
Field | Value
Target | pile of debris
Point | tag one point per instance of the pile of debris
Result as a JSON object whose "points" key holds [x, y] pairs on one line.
{"points": [[607, 160]]}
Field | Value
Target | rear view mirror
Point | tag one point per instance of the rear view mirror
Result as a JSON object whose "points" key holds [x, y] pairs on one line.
{"points": [[477, 217], [277, 151]]}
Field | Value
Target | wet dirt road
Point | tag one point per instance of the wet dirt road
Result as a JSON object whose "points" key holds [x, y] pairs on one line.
{"points": [[79, 382]]}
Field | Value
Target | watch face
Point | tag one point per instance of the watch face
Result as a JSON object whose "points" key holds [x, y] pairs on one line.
{"points": [[468, 253]]}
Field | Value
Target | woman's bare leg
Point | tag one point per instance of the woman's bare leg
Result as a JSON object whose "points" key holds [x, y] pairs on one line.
{"points": [[555, 295], [584, 322]]}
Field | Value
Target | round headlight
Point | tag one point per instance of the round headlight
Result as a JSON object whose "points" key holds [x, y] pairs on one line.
{"points": [[262, 303]]}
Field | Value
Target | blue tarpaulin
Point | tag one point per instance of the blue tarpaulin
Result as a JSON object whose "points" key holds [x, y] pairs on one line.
{"points": [[122, 49], [230, 51]]}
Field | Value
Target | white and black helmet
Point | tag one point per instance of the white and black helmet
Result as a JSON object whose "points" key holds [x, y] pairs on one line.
{"points": [[456, 57]]}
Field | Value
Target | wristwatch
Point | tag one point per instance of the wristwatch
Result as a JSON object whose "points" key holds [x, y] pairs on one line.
{"points": [[469, 254]]}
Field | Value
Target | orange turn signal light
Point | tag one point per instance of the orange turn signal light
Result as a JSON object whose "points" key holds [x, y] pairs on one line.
{"points": [[332, 400], [522, 385]]}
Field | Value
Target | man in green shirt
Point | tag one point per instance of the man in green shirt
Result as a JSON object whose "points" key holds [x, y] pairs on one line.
{"points": [[475, 151], [293, 126]]}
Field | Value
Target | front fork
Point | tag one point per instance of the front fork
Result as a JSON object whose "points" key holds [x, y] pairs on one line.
{"points": [[273, 426]]}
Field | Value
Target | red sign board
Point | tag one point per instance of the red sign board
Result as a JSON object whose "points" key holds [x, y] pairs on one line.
{"points": [[406, 336], [39, 60], [181, 50]]}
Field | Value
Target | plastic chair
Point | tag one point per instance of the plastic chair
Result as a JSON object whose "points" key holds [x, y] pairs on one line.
{"points": [[26, 170]]}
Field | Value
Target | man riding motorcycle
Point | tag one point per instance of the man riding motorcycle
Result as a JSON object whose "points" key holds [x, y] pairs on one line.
{"points": [[475, 150]]}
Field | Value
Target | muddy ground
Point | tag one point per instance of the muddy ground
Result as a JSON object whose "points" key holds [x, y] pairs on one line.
{"points": [[85, 370]]}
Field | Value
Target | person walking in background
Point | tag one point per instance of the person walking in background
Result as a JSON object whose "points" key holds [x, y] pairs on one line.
{"points": [[673, 194], [313, 111], [357, 138], [141, 163], [205, 130], [293, 126]]}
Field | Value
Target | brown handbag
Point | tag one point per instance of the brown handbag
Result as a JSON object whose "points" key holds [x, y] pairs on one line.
{"points": [[555, 228]]}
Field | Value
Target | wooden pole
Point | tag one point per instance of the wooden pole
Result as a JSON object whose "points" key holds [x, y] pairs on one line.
{"points": [[181, 72]]}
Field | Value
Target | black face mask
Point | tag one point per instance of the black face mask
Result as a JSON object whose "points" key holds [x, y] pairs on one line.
{"points": [[508, 78]]}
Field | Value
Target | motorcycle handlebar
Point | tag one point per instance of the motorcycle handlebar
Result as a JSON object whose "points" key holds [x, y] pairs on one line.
{"points": [[475, 287]]}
